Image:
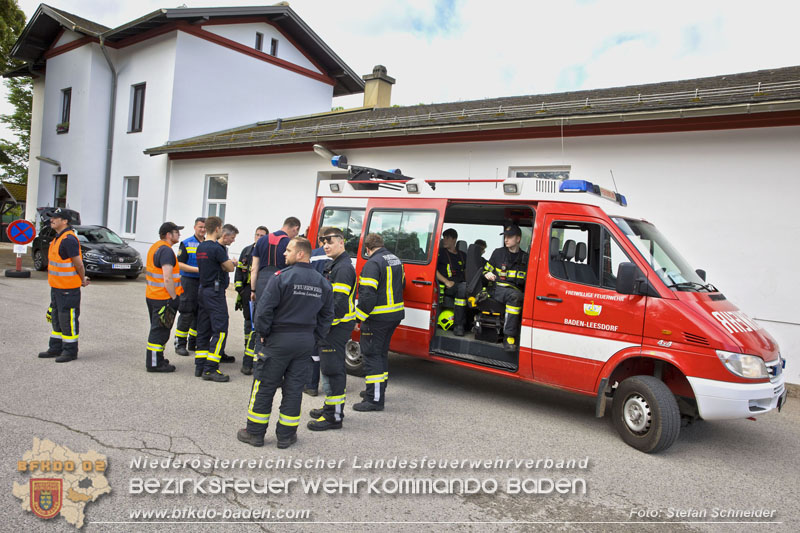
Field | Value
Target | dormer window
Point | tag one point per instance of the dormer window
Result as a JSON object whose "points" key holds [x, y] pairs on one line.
{"points": [[273, 48], [259, 41]]}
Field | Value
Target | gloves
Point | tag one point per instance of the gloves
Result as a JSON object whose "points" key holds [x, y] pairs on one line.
{"points": [[175, 303], [49, 314], [166, 316], [238, 306]]}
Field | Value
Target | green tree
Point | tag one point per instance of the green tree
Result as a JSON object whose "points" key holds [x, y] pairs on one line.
{"points": [[14, 153]]}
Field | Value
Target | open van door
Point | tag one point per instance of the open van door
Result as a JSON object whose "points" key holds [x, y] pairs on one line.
{"points": [[412, 234]]}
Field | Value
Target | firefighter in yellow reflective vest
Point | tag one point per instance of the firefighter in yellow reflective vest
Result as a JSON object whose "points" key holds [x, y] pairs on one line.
{"points": [[66, 276], [380, 309], [340, 273], [162, 295], [241, 282], [508, 267], [450, 274]]}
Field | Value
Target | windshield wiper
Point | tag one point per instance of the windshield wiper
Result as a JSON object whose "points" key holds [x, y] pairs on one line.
{"points": [[693, 285]]}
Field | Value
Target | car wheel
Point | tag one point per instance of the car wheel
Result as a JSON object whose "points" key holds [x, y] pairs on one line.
{"points": [[353, 360], [38, 260], [646, 414], [131, 276]]}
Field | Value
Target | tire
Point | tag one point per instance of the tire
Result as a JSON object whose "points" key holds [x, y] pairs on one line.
{"points": [[131, 276], [18, 273], [39, 262], [646, 414], [353, 360]]}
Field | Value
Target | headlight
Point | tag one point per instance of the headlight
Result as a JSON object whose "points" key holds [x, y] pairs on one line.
{"points": [[746, 366], [93, 255]]}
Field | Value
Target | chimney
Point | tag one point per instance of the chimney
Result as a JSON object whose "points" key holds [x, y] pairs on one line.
{"points": [[378, 88]]}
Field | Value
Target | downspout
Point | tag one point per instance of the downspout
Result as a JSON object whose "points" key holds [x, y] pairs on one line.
{"points": [[110, 135]]}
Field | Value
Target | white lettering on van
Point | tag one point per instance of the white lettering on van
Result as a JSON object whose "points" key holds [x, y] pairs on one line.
{"points": [[736, 321], [590, 325]]}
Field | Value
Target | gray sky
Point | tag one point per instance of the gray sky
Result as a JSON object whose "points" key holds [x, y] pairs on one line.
{"points": [[451, 50]]}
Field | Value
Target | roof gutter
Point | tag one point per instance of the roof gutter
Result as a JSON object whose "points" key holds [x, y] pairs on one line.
{"points": [[664, 114], [110, 134]]}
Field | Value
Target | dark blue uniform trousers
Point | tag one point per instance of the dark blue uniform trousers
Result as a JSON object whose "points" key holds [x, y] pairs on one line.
{"points": [[331, 358], [283, 363], [186, 328], [66, 305], [159, 335], [375, 338], [212, 328], [513, 299]]}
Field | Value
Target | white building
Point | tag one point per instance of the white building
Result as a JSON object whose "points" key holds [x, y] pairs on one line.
{"points": [[712, 162], [102, 96]]}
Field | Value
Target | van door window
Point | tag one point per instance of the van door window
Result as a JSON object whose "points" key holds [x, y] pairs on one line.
{"points": [[584, 253], [348, 220], [407, 234]]}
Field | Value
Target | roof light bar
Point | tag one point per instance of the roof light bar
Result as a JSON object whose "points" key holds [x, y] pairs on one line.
{"points": [[588, 186]]}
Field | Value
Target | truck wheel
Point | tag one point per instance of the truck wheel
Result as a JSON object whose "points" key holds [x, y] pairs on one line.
{"points": [[38, 261], [353, 360], [646, 414]]}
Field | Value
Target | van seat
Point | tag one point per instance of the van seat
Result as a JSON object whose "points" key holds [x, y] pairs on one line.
{"points": [[583, 273], [556, 265]]}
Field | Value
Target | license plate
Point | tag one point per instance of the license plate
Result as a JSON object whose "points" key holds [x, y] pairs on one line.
{"points": [[121, 266]]}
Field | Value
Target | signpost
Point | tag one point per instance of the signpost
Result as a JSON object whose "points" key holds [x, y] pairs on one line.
{"points": [[21, 233]]}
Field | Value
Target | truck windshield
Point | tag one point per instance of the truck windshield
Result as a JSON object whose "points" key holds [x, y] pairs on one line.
{"points": [[667, 263]]}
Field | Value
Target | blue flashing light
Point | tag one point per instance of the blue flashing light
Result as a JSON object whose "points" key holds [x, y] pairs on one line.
{"points": [[576, 186], [339, 161], [623, 201]]}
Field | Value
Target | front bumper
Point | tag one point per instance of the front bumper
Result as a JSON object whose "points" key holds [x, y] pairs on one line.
{"points": [[722, 400], [108, 269]]}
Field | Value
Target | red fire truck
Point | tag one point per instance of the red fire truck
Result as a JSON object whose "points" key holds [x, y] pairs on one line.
{"points": [[611, 309]]}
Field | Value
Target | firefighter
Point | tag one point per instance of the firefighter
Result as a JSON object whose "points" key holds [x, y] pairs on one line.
{"points": [[507, 268], [294, 311], [212, 316], [164, 287], [241, 282], [66, 276], [319, 260], [380, 308], [452, 281], [268, 258], [342, 277], [186, 329]]}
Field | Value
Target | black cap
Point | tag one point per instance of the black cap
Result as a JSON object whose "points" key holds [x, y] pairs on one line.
{"points": [[512, 230], [168, 227], [60, 213]]}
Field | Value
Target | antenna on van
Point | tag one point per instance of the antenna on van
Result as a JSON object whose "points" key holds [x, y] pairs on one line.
{"points": [[613, 181]]}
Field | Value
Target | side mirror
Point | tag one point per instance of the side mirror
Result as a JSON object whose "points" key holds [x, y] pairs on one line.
{"points": [[702, 273], [626, 278]]}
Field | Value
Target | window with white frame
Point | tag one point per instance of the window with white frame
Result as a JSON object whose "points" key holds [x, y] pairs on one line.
{"points": [[137, 108], [60, 196], [216, 196], [273, 48], [259, 41], [131, 207], [560, 173]]}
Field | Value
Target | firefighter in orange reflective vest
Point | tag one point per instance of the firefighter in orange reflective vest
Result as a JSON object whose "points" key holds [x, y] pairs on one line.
{"points": [[66, 276], [380, 309], [162, 295]]}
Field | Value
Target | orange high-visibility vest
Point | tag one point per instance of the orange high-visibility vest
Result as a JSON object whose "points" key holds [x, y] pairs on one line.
{"points": [[156, 287], [61, 273]]}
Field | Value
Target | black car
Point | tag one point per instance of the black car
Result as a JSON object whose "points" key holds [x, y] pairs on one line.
{"points": [[104, 252]]}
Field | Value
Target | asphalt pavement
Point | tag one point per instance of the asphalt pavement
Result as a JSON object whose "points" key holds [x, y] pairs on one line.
{"points": [[714, 478]]}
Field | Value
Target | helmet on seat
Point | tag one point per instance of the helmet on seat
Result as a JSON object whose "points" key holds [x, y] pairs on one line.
{"points": [[445, 319]]}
